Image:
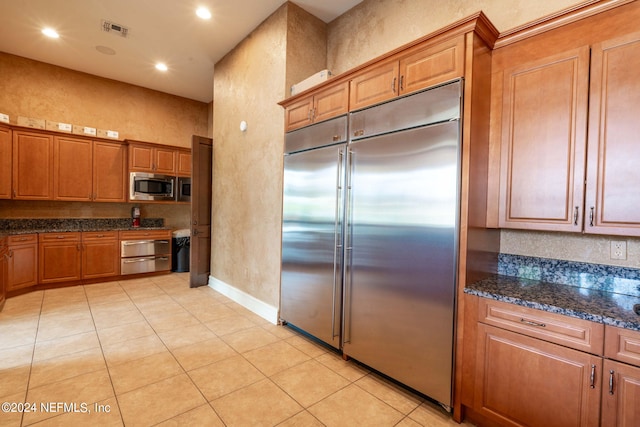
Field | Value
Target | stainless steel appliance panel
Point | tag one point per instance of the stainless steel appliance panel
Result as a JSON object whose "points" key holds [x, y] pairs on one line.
{"points": [[401, 255], [184, 189], [136, 248], [330, 132], [311, 280], [434, 105], [151, 187], [144, 264]]}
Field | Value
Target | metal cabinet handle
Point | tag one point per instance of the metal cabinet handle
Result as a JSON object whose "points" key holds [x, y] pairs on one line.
{"points": [[592, 377], [348, 260], [575, 216], [393, 84], [402, 82], [611, 381], [531, 323], [591, 214], [337, 253]]}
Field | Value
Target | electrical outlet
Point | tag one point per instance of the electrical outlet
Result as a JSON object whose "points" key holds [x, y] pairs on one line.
{"points": [[618, 249]]}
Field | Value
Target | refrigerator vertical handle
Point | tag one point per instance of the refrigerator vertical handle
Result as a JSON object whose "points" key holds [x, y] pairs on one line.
{"points": [[346, 304], [338, 244]]}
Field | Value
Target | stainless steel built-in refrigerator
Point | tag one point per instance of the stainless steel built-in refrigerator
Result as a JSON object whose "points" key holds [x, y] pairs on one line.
{"points": [[399, 235], [313, 201]]}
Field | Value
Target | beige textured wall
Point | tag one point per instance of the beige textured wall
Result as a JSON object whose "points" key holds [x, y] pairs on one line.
{"points": [[247, 174], [375, 27], [35, 89]]}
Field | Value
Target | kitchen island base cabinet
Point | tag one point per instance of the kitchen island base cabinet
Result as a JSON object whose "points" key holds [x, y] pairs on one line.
{"points": [[524, 381]]}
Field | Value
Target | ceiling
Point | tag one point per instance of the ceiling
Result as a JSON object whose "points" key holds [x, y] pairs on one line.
{"points": [[158, 31]]}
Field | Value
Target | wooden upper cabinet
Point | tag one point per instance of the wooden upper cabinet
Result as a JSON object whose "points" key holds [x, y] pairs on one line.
{"points": [[432, 65], [613, 175], [374, 85], [419, 68], [330, 102], [152, 158], [32, 166], [109, 172], [165, 160], [86, 170], [72, 168], [184, 162], [5, 162], [544, 121]]}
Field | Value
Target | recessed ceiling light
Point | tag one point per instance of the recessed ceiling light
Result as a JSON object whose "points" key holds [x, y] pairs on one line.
{"points": [[50, 32], [162, 67], [203, 13]]}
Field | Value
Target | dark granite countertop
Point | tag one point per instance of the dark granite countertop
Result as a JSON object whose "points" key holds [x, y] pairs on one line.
{"points": [[29, 226], [584, 302]]}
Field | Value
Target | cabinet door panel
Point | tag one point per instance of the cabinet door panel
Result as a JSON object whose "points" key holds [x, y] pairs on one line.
{"points": [[100, 258], [32, 166], [376, 85], [299, 114], [140, 158], [613, 190], [22, 269], [432, 65], [109, 172], [184, 163], [525, 381], [72, 169], [331, 102], [165, 161], [620, 395], [5, 163], [544, 143]]}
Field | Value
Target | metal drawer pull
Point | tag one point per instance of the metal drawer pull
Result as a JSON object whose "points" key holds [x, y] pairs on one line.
{"points": [[531, 323], [611, 381], [144, 242], [130, 261], [575, 216], [592, 378], [591, 213]]}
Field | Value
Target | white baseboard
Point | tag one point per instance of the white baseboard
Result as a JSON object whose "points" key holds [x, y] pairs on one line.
{"points": [[261, 308]]}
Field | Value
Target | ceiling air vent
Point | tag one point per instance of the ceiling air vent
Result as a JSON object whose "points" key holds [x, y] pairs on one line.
{"points": [[112, 27]]}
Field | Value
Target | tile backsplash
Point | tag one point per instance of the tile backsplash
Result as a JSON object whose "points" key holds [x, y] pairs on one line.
{"points": [[569, 246]]}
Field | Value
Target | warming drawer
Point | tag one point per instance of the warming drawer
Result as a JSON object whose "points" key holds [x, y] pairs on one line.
{"points": [[147, 264], [138, 248]]}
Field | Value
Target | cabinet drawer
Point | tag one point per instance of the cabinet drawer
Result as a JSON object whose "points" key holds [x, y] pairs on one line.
{"points": [[622, 344], [22, 239], [99, 235], [60, 237], [145, 234], [568, 331]]}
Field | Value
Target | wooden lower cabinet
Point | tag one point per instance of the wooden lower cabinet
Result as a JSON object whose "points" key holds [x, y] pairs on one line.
{"points": [[59, 257], [100, 254], [524, 381], [22, 262], [620, 395]]}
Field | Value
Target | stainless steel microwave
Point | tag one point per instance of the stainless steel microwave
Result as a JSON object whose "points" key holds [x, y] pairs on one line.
{"points": [[152, 187], [184, 189]]}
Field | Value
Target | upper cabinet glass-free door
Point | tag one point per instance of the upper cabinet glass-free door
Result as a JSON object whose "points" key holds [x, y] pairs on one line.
{"points": [[613, 175], [544, 121]]}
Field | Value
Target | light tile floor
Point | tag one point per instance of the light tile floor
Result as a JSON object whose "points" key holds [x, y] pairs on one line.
{"points": [[151, 351]]}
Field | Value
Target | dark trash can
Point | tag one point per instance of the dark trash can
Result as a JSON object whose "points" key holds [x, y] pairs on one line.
{"points": [[180, 248]]}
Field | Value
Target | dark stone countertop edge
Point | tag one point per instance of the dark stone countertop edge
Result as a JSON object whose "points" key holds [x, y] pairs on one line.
{"points": [[77, 230], [604, 307]]}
